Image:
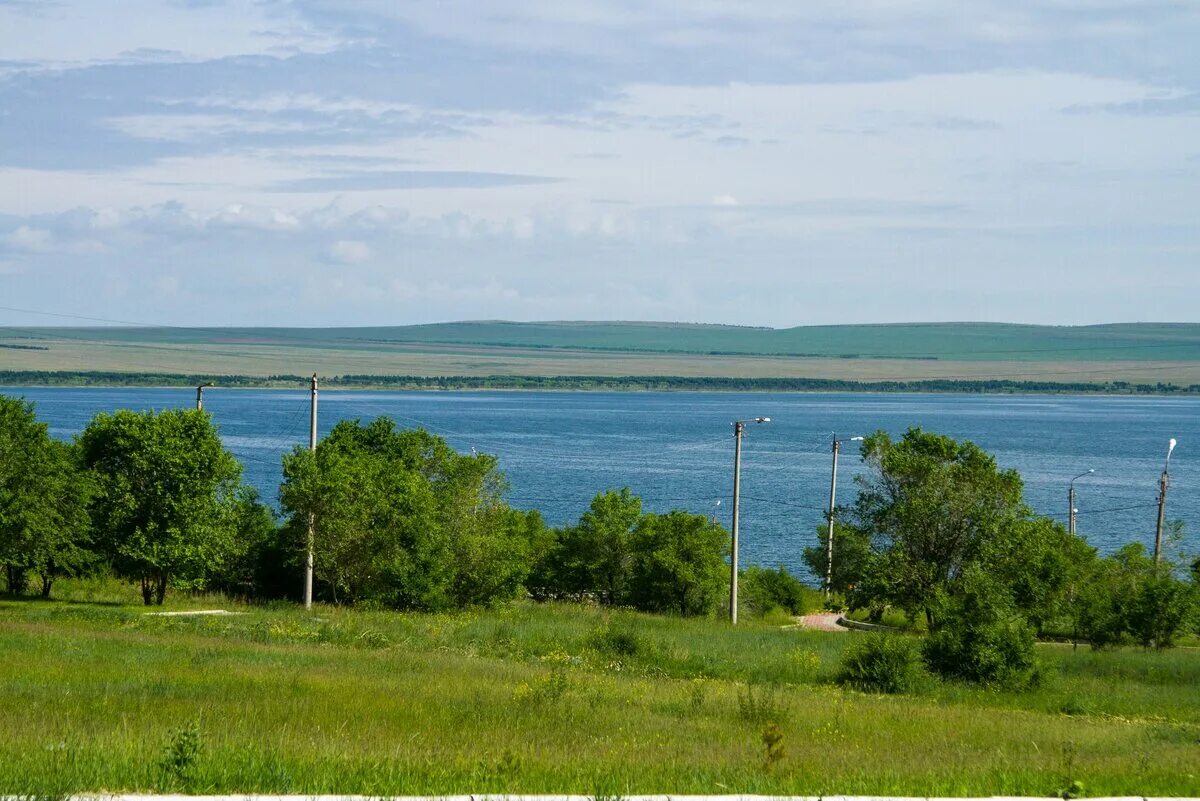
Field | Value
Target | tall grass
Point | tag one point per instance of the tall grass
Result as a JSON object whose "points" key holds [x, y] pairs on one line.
{"points": [[547, 699]]}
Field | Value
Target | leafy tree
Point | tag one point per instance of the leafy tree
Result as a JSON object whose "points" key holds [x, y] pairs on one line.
{"points": [[678, 564], [167, 496], [595, 557], [59, 541], [44, 524], [401, 519], [762, 590], [852, 557], [1042, 565], [1133, 599], [255, 568], [931, 505], [375, 532]]}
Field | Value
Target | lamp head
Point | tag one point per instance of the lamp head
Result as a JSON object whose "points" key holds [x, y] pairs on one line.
{"points": [[768, 419], [856, 439]]}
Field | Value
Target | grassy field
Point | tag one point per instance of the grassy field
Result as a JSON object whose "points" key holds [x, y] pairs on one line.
{"points": [[1149, 353], [99, 695]]}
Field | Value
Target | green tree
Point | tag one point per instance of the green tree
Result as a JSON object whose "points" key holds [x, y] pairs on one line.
{"points": [[44, 522], [853, 560], [402, 519], [167, 495], [256, 567], [1133, 599], [596, 555], [678, 564], [762, 590], [931, 505]]}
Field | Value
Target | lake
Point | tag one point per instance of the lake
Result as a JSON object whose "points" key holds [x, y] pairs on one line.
{"points": [[559, 449]]}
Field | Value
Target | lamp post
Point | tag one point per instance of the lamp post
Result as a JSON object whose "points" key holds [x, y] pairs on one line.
{"points": [[837, 447], [739, 426], [1071, 510], [200, 395], [1163, 482]]}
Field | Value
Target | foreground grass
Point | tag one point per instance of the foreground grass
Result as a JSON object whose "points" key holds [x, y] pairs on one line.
{"points": [[99, 696]]}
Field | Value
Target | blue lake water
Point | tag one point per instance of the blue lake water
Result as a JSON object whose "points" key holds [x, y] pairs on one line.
{"points": [[676, 449]]}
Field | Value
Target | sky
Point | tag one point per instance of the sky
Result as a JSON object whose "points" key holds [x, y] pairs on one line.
{"points": [[781, 163]]}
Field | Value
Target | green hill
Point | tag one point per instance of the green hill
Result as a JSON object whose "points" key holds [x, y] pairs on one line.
{"points": [[943, 341]]}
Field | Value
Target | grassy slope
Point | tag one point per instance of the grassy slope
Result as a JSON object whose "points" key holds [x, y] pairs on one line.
{"points": [[522, 700], [1137, 354], [954, 341]]}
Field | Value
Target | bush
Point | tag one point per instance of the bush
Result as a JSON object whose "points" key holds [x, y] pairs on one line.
{"points": [[617, 640], [882, 663], [1130, 598], [1160, 611], [762, 590], [982, 638]]}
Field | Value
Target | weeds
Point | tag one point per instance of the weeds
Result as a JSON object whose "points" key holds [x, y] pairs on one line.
{"points": [[772, 740], [182, 752], [762, 705]]}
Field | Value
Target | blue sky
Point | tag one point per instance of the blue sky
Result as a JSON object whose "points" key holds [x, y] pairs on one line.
{"points": [[311, 162]]}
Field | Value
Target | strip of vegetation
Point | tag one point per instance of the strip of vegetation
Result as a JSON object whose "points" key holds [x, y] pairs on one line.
{"points": [[19, 378]]}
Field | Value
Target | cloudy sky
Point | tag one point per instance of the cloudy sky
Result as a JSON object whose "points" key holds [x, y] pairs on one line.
{"points": [[313, 162]]}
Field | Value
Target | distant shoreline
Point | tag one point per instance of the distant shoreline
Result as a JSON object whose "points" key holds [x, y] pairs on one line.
{"points": [[114, 380]]}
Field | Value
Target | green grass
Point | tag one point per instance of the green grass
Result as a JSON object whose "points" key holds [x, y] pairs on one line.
{"points": [[99, 696], [954, 341]]}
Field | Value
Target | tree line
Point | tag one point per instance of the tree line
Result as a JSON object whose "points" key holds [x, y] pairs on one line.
{"points": [[665, 383], [939, 532], [400, 520], [397, 519]]}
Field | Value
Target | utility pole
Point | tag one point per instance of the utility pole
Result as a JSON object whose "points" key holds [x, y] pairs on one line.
{"points": [[1071, 510], [739, 427], [200, 395], [1163, 482], [312, 446], [837, 447]]}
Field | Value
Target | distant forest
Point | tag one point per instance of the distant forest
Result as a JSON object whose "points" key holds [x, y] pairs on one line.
{"points": [[582, 383]]}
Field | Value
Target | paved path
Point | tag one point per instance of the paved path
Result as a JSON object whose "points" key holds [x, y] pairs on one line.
{"points": [[821, 621]]}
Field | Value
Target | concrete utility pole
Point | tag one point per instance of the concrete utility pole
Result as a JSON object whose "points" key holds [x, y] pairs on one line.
{"points": [[1163, 483], [312, 446], [1071, 510], [739, 426], [837, 447], [200, 395]]}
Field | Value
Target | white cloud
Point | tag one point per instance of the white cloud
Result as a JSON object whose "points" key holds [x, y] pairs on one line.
{"points": [[30, 239], [79, 31], [349, 251]]}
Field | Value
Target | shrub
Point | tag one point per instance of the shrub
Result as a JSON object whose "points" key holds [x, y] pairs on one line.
{"points": [[882, 663], [982, 638], [1160, 611], [762, 590], [617, 640]]}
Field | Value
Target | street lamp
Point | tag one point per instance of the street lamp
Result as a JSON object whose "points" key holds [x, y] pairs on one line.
{"points": [[1163, 482], [837, 447], [1071, 510], [200, 395], [739, 426]]}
